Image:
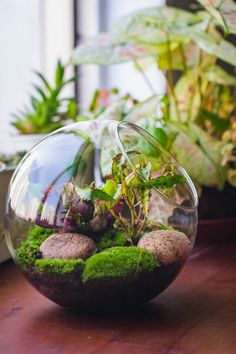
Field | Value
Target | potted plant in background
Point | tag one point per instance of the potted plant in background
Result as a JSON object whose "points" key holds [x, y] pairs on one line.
{"points": [[48, 111], [198, 114]]}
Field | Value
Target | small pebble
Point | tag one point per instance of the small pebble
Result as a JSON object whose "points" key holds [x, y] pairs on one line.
{"points": [[168, 246], [67, 246]]}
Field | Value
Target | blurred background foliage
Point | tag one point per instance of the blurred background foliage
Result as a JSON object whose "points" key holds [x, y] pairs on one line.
{"points": [[195, 120]]}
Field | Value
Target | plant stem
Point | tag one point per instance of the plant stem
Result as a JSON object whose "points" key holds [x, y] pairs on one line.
{"points": [[199, 80], [184, 61], [146, 79], [139, 214], [170, 80], [118, 218]]}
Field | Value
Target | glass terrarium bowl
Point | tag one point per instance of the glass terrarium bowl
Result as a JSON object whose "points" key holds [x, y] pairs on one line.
{"points": [[100, 216]]}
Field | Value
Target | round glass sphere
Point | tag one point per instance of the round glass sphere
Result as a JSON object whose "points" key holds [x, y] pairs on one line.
{"points": [[100, 216]]}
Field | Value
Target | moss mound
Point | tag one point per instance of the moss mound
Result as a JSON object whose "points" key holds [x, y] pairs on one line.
{"points": [[113, 238], [59, 266], [28, 251], [39, 234], [118, 262]]}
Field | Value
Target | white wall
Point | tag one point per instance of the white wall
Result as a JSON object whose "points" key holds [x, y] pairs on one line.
{"points": [[20, 52], [88, 26], [33, 35], [57, 32]]}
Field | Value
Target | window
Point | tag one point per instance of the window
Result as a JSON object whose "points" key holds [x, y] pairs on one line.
{"points": [[33, 35]]}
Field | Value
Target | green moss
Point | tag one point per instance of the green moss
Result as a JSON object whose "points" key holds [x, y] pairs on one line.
{"points": [[28, 251], [118, 262], [61, 266], [39, 233], [113, 238]]}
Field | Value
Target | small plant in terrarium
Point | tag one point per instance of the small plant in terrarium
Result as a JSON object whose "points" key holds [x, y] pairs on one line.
{"points": [[107, 242], [128, 190]]}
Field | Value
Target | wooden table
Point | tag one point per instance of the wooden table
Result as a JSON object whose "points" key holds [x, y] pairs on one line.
{"points": [[197, 314]]}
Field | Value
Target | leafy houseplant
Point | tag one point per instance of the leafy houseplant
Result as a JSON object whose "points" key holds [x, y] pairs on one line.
{"points": [[198, 121], [48, 111]]}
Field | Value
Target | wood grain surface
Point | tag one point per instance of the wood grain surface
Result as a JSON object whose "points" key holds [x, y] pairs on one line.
{"points": [[196, 314]]}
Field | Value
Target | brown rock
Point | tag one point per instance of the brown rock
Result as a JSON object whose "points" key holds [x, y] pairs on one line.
{"points": [[67, 246], [168, 246]]}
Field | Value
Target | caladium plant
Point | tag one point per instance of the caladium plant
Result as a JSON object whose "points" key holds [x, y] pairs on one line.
{"points": [[198, 111]]}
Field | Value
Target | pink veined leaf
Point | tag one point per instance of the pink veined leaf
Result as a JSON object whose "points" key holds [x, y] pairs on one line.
{"points": [[217, 47], [107, 49], [224, 12], [163, 15]]}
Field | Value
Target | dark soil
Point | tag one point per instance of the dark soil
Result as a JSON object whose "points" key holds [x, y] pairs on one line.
{"points": [[104, 295]]}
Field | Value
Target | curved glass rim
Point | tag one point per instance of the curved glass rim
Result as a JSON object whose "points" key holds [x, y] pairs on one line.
{"points": [[114, 129], [167, 154]]}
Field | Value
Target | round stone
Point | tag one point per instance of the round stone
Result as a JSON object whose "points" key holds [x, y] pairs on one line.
{"points": [[168, 246], [67, 246]]}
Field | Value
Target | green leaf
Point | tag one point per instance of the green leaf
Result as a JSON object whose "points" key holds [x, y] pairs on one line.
{"points": [[219, 124], [164, 227], [159, 134], [161, 15], [81, 118], [184, 56], [108, 49], [147, 148], [188, 97], [145, 110], [218, 75], [153, 27], [72, 108], [223, 11], [93, 194], [110, 187], [184, 26], [66, 82], [106, 159], [41, 92], [201, 157], [145, 194], [145, 170], [115, 169], [34, 101], [161, 182], [59, 74], [219, 48], [43, 79], [155, 39]]}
